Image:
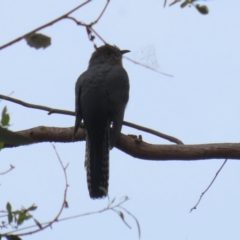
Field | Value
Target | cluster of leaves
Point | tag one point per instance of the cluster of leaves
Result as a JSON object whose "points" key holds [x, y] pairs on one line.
{"points": [[4, 123], [15, 219], [203, 9]]}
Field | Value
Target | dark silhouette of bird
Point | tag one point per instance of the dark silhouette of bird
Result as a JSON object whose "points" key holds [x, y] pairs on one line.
{"points": [[101, 96]]}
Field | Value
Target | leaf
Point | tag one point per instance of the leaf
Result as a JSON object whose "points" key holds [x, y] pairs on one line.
{"points": [[13, 138], [13, 237], [38, 223], [185, 3], [32, 208], [22, 216], [121, 215], [5, 117], [38, 40], [9, 207], [202, 9], [10, 217]]}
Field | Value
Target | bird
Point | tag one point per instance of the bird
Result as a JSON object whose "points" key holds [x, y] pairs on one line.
{"points": [[101, 96]]}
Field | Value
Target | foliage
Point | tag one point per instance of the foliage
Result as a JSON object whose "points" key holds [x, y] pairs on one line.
{"points": [[15, 219]]}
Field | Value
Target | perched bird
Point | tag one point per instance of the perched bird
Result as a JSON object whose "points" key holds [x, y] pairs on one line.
{"points": [[101, 95]]}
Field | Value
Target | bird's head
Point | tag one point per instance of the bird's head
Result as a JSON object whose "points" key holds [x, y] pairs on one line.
{"points": [[107, 54]]}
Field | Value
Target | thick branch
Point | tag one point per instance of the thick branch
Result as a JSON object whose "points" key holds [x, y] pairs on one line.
{"points": [[141, 150]]}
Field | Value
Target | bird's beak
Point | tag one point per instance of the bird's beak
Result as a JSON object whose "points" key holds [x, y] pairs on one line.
{"points": [[124, 51]]}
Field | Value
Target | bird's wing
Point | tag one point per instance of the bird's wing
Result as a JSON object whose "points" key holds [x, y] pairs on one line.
{"points": [[78, 112], [117, 84]]}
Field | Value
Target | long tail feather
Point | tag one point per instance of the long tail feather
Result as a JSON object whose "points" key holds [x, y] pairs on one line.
{"points": [[97, 164]]}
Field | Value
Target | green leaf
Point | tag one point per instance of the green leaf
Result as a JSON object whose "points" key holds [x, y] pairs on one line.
{"points": [[202, 9], [5, 117], [9, 210], [32, 208], [10, 217], [38, 223], [22, 216], [9, 137], [185, 3], [38, 40], [9, 207], [13, 237]]}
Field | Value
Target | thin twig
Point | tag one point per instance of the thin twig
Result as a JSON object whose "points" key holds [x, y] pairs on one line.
{"points": [[121, 215], [146, 66], [76, 21], [47, 224], [70, 113], [45, 25], [35, 106], [92, 23], [64, 16], [176, 1], [154, 132], [55, 219], [10, 169], [200, 198], [101, 14], [138, 225], [91, 28]]}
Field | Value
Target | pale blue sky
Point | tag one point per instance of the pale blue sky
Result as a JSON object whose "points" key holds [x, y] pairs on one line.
{"points": [[200, 104]]}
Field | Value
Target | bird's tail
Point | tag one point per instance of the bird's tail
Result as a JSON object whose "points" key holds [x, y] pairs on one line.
{"points": [[97, 164]]}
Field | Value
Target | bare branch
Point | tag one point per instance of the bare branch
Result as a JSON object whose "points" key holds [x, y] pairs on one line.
{"points": [[75, 20], [66, 112], [64, 16], [35, 106], [200, 198], [7, 171], [151, 131], [138, 225], [39, 226], [146, 66], [107, 208], [101, 14], [44, 26], [91, 28], [176, 1]]}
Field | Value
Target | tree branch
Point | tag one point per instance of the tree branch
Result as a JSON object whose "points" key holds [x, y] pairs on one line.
{"points": [[64, 16], [140, 149], [66, 112]]}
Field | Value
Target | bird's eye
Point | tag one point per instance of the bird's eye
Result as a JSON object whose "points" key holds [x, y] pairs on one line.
{"points": [[108, 53]]}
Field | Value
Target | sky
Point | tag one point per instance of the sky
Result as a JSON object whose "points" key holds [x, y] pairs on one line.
{"points": [[199, 104]]}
